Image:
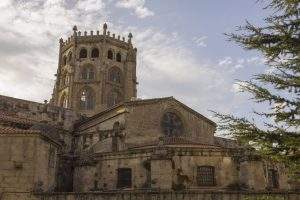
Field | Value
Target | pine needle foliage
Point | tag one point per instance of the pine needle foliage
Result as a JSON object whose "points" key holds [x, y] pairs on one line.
{"points": [[278, 41]]}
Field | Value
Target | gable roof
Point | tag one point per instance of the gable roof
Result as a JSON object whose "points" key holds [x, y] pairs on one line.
{"points": [[138, 102]]}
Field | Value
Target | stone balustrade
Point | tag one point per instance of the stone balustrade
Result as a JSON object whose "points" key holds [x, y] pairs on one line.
{"points": [[155, 195]]}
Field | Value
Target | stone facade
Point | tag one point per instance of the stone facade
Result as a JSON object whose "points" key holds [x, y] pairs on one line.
{"points": [[95, 137], [28, 161], [102, 65]]}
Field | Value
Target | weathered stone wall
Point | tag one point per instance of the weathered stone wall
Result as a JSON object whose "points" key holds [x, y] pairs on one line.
{"points": [[39, 112], [98, 131], [176, 170], [100, 84], [255, 174], [225, 169], [161, 174], [155, 195], [17, 156], [84, 177], [45, 165], [105, 173], [24, 161], [143, 122]]}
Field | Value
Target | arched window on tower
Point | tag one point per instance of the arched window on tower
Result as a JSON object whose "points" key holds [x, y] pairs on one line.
{"points": [[113, 98], [118, 57], [64, 101], [110, 54], [64, 60], [87, 73], [83, 53], [66, 79], [70, 57], [86, 99], [95, 53], [115, 75]]}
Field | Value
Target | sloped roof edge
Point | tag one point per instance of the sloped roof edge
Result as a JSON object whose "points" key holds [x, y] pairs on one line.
{"points": [[143, 102], [15, 131]]}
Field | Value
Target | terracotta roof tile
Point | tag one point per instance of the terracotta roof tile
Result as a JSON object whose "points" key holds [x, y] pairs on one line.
{"points": [[226, 143], [10, 130], [173, 141], [15, 119]]}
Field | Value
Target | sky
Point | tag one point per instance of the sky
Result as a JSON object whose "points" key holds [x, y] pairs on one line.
{"points": [[182, 49]]}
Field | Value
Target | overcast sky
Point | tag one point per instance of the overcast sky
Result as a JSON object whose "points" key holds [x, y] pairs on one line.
{"points": [[182, 51]]}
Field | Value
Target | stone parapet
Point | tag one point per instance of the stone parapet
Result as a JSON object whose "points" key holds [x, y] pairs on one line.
{"points": [[153, 195]]}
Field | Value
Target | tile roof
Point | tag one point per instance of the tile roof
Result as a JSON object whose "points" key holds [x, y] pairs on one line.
{"points": [[6, 117], [10, 130], [173, 141], [5, 131], [226, 143]]}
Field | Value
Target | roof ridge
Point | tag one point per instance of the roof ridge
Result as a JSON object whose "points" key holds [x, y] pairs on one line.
{"points": [[18, 99], [172, 141], [16, 118], [11, 130], [148, 100]]}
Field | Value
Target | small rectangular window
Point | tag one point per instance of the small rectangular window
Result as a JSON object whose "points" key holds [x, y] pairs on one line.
{"points": [[51, 161], [205, 176], [273, 178], [124, 178]]}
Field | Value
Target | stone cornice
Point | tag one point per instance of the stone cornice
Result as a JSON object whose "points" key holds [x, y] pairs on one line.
{"points": [[148, 153]]}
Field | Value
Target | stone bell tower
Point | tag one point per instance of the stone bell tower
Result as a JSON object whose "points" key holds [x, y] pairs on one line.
{"points": [[95, 71]]}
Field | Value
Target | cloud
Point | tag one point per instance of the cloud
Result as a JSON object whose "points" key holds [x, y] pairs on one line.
{"points": [[29, 33], [225, 61], [166, 67], [138, 6], [239, 63], [200, 41]]}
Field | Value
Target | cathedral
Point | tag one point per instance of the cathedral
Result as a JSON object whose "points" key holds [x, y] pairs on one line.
{"points": [[95, 136]]}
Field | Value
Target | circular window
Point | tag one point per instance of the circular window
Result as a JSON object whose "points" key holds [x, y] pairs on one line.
{"points": [[172, 125]]}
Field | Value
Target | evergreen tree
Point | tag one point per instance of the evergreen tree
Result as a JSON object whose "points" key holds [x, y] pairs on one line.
{"points": [[279, 42]]}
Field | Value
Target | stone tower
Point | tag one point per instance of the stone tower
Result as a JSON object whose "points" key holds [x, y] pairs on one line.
{"points": [[95, 71]]}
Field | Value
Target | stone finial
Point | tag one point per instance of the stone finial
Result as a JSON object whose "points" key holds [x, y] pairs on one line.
{"points": [[74, 29], [104, 28], [119, 37], [85, 33], [108, 33], [130, 37], [92, 32], [114, 35], [61, 41]]}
